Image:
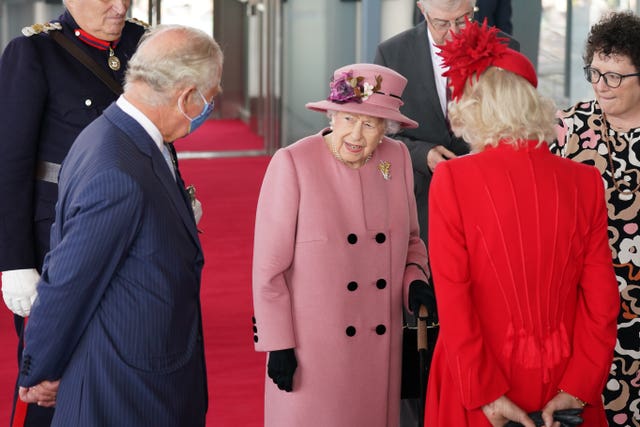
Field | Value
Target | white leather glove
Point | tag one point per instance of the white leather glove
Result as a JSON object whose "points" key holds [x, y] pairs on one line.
{"points": [[197, 209], [19, 289]]}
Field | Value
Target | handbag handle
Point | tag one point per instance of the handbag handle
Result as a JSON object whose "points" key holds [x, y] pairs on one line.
{"points": [[423, 313]]}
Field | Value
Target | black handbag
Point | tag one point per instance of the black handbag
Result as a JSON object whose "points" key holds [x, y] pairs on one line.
{"points": [[566, 417]]}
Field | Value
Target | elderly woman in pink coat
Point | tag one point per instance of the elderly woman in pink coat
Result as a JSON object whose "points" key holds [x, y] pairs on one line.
{"points": [[337, 254]]}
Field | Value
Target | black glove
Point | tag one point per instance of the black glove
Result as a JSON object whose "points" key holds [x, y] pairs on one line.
{"points": [[566, 417], [281, 366], [420, 293]]}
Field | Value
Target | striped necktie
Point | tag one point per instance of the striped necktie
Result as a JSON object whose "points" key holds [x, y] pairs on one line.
{"points": [[167, 157]]}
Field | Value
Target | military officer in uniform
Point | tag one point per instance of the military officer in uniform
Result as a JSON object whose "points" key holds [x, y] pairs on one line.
{"points": [[49, 94]]}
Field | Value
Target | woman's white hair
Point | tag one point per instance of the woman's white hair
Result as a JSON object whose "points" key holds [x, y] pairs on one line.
{"points": [[502, 106], [195, 60]]}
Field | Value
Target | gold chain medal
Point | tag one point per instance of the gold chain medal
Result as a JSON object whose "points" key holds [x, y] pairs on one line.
{"points": [[113, 61]]}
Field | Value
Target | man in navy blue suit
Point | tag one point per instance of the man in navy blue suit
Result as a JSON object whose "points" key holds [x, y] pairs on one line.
{"points": [[497, 12], [47, 97], [117, 319]]}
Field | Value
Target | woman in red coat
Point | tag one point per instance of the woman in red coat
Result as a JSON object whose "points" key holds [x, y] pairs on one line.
{"points": [[527, 298]]}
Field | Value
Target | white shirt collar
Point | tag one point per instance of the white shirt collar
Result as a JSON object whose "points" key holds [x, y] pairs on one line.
{"points": [[143, 120]]}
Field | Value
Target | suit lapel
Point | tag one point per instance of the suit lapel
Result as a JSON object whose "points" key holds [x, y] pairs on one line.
{"points": [[147, 147], [193, 229], [175, 192]]}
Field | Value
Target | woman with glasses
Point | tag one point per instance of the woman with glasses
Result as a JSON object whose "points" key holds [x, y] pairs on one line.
{"points": [[605, 132]]}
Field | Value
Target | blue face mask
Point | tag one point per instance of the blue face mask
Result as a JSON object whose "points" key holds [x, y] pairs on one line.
{"points": [[197, 121]]}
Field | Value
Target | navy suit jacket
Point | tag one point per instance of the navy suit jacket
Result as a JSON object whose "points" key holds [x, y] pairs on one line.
{"points": [[118, 315], [409, 53], [497, 12]]}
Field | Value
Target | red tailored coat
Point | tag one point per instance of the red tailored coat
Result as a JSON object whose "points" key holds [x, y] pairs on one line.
{"points": [[526, 293], [330, 277]]}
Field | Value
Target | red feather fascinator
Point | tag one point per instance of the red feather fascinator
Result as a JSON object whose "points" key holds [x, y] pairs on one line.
{"points": [[475, 48]]}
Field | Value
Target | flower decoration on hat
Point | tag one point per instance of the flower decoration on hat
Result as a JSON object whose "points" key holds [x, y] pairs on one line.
{"points": [[469, 53], [348, 88]]}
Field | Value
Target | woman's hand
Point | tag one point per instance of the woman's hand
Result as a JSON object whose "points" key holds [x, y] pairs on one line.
{"points": [[560, 401], [502, 410], [281, 366]]}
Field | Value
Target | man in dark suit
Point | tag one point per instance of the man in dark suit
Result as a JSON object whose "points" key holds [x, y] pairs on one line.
{"points": [[47, 97], [413, 53], [117, 319], [497, 12]]}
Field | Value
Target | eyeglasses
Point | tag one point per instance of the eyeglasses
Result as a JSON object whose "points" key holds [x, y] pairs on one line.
{"points": [[442, 25], [611, 79]]}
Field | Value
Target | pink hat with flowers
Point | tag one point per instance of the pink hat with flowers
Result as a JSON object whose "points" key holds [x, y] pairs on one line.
{"points": [[475, 48], [368, 89]]}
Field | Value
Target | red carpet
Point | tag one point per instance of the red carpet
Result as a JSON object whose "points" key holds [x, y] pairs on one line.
{"points": [[221, 135], [228, 189], [8, 363]]}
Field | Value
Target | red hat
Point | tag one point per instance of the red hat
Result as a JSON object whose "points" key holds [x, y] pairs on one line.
{"points": [[474, 49], [368, 89]]}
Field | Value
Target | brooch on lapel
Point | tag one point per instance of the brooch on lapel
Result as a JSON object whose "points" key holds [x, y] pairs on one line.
{"points": [[385, 169]]}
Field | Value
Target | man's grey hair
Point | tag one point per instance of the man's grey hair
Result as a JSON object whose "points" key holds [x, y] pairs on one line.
{"points": [[196, 60], [446, 4]]}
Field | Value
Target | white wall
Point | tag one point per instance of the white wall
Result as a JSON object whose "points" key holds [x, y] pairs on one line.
{"points": [[397, 16]]}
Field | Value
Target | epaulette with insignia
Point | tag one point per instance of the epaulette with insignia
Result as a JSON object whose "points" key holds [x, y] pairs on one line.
{"points": [[41, 28], [139, 22]]}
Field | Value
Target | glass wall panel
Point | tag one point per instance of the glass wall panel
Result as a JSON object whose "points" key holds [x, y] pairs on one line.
{"points": [[195, 13], [564, 30]]}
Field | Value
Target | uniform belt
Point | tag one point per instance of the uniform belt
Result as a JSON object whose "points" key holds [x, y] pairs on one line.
{"points": [[47, 171]]}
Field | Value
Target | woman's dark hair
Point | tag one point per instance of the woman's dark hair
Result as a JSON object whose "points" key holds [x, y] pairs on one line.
{"points": [[618, 33]]}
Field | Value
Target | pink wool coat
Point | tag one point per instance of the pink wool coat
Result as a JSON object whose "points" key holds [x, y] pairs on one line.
{"points": [[334, 254]]}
